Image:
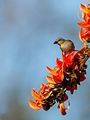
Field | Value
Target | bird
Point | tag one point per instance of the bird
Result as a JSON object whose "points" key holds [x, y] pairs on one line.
{"points": [[66, 46]]}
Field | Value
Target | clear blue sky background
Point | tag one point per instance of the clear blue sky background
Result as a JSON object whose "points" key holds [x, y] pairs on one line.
{"points": [[28, 29]]}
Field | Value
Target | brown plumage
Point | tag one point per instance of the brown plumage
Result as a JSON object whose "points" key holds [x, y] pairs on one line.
{"points": [[67, 46]]}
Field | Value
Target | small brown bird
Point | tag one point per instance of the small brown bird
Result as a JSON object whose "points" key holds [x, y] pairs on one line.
{"points": [[67, 46]]}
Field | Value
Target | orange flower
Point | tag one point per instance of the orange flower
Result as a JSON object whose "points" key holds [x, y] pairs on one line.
{"points": [[50, 80], [57, 73], [58, 63], [84, 24], [34, 105], [68, 60], [52, 72], [38, 104], [36, 95], [39, 96], [63, 108], [83, 36], [84, 33], [85, 9]]}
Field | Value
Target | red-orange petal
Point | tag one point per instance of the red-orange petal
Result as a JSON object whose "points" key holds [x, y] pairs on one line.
{"points": [[52, 72], [81, 32], [85, 17], [59, 78], [50, 80], [58, 63], [83, 8], [68, 60], [63, 108], [84, 24], [71, 57], [61, 75], [36, 95], [34, 105], [86, 34]]}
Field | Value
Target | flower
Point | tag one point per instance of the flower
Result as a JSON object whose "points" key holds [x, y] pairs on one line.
{"points": [[39, 100], [84, 32], [84, 35], [67, 74], [63, 108], [85, 9], [57, 73], [34, 105], [68, 60]]}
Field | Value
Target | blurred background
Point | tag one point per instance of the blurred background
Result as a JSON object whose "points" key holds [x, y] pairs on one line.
{"points": [[28, 29]]}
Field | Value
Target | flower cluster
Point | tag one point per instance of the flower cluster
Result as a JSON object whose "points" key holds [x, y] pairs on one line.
{"points": [[84, 32], [66, 75]]}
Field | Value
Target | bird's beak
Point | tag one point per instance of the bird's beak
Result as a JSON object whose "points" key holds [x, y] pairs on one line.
{"points": [[56, 42]]}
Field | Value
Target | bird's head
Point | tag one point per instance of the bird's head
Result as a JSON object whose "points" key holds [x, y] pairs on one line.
{"points": [[59, 41]]}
